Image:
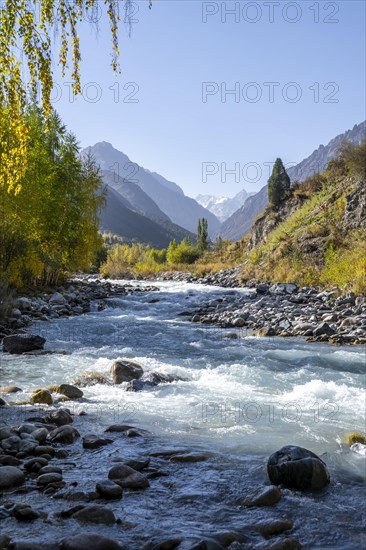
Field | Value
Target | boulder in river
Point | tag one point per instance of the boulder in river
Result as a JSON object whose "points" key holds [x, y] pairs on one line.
{"points": [[125, 370], [10, 389], [267, 497], [354, 437], [61, 417], [297, 468], [63, 434], [72, 392], [41, 396], [21, 343], [127, 477], [92, 441]]}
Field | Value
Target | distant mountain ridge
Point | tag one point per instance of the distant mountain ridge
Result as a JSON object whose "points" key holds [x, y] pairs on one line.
{"points": [[223, 207], [241, 221], [167, 196]]}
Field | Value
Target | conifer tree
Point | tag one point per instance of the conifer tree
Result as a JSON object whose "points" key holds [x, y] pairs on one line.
{"points": [[278, 184]]}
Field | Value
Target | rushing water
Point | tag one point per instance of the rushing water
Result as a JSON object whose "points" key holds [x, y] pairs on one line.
{"points": [[240, 399]]}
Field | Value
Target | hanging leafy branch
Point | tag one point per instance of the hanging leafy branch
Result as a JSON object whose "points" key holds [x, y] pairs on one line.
{"points": [[26, 48]]}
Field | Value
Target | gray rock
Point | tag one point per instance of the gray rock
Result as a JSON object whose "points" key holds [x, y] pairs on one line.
{"points": [[323, 329], [109, 489], [20, 343], [63, 434], [127, 477], [269, 528], [297, 468], [10, 477], [40, 434], [95, 514], [72, 392], [51, 477], [267, 497], [60, 417], [238, 322], [91, 441], [10, 389], [57, 299], [139, 385], [24, 512], [125, 370], [88, 541]]}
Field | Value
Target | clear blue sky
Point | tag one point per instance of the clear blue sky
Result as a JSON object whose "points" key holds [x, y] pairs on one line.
{"points": [[179, 44]]}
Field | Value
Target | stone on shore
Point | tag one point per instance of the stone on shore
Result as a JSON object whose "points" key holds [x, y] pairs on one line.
{"points": [[24, 512], [61, 417], [21, 343], [297, 468], [90, 541], [10, 477], [109, 489], [63, 434], [125, 370], [57, 299], [95, 514], [127, 477]]}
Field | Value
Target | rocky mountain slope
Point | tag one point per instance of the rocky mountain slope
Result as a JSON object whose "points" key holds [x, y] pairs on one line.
{"points": [[120, 218], [169, 197], [318, 234], [241, 221], [223, 207]]}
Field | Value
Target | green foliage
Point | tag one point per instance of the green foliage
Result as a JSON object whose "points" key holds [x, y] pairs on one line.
{"points": [[278, 184], [51, 227], [183, 253], [202, 235], [354, 158], [346, 266], [28, 50]]}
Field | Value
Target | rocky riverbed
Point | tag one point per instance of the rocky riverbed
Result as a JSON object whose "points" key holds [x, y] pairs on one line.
{"points": [[65, 488], [161, 450], [286, 310], [76, 297]]}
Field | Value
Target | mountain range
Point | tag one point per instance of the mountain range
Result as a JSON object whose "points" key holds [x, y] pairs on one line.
{"points": [[241, 221], [150, 196], [223, 207]]}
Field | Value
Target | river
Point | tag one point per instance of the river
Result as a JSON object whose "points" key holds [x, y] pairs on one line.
{"points": [[239, 400]]}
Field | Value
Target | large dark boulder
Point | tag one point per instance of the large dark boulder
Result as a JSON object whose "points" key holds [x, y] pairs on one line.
{"points": [[21, 343], [297, 468]]}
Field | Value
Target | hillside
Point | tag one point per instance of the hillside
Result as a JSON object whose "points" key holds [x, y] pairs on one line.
{"points": [[318, 234], [119, 218], [241, 221], [169, 197]]}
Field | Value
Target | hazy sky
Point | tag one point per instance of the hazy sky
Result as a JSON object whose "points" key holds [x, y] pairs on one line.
{"points": [[296, 71]]}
